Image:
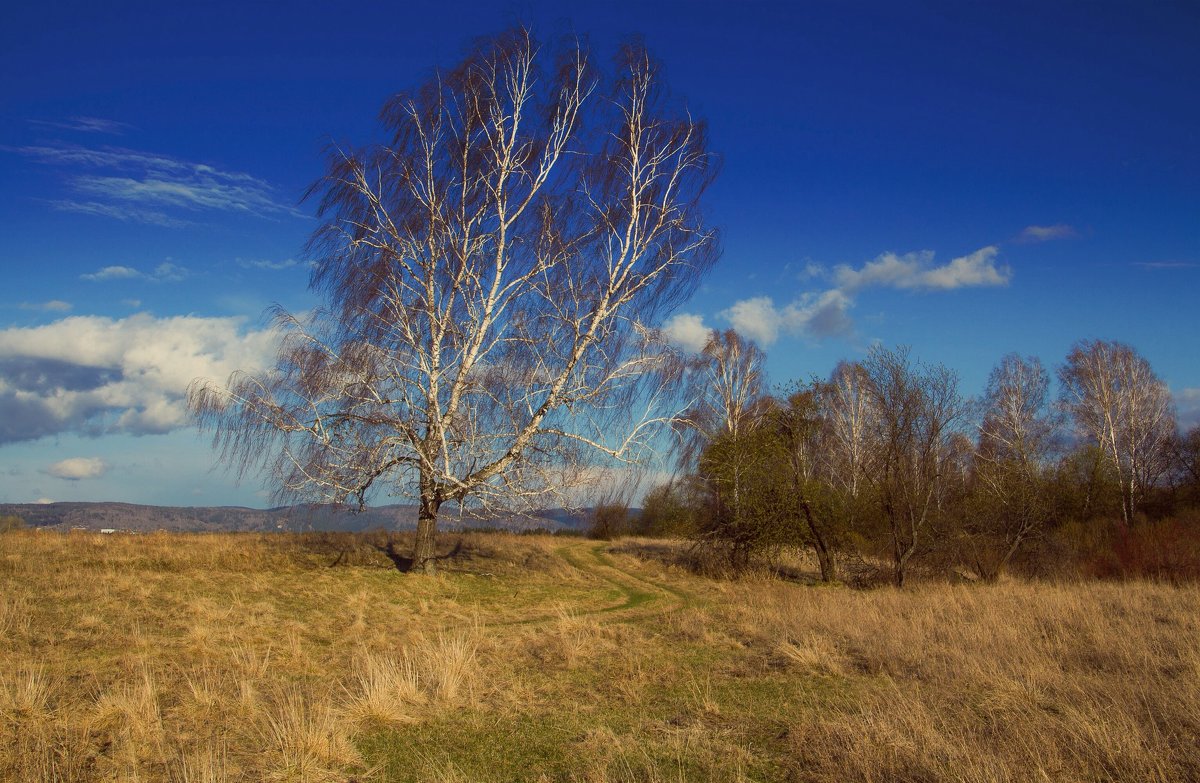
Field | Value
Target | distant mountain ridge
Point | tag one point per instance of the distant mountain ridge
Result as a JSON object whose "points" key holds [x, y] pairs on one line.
{"points": [[139, 518]]}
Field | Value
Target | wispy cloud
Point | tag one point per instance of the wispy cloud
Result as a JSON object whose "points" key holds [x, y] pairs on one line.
{"points": [[822, 314], [273, 266], [132, 185], [87, 125], [120, 212], [166, 272], [111, 273], [1166, 264], [52, 306], [78, 468], [1032, 234], [207, 192]]}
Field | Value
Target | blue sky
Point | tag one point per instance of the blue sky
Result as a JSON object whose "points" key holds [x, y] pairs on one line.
{"points": [[969, 179]]}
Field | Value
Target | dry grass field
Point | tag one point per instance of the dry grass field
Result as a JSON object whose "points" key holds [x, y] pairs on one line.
{"points": [[198, 659]]}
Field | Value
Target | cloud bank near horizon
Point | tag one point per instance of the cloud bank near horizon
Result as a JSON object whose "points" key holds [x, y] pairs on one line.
{"points": [[78, 468]]}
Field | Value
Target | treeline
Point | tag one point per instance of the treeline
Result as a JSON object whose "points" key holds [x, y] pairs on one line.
{"points": [[885, 469]]}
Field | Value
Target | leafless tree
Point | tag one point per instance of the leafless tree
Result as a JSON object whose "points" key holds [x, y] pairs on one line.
{"points": [[846, 414], [1119, 403], [1016, 437], [1185, 459], [493, 273], [1018, 424], [728, 389], [916, 409]]}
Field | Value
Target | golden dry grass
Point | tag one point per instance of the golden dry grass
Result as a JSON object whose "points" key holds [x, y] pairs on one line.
{"points": [[201, 659]]}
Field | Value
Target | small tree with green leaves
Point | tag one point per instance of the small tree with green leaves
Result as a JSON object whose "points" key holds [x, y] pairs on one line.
{"points": [[667, 510], [747, 505], [797, 422]]}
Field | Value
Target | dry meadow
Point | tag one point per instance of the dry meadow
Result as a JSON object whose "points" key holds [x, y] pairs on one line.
{"points": [[203, 659]]}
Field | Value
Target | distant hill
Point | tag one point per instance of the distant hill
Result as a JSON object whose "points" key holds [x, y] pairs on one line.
{"points": [[129, 516]]}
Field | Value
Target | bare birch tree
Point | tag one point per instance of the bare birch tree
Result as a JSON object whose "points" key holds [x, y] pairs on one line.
{"points": [[846, 413], [1119, 404], [492, 275], [1015, 440], [728, 387]]}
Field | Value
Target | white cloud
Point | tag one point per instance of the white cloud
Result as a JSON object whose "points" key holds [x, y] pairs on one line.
{"points": [[827, 313], [756, 319], [1047, 233], [687, 331], [44, 501], [52, 306], [971, 271], [822, 314], [166, 272], [77, 468], [917, 271], [112, 273], [888, 270], [94, 375]]}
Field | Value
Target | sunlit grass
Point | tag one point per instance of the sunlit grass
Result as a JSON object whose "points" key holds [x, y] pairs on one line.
{"points": [[245, 657]]}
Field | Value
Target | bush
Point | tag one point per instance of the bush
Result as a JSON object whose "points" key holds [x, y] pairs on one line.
{"points": [[1168, 549], [665, 512], [609, 521], [11, 522], [1165, 549]]}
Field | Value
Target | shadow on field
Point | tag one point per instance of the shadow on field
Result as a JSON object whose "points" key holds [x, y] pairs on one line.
{"points": [[374, 549], [404, 563]]}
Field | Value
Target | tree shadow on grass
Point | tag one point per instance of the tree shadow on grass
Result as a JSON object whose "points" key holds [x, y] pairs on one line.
{"points": [[404, 563]]}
